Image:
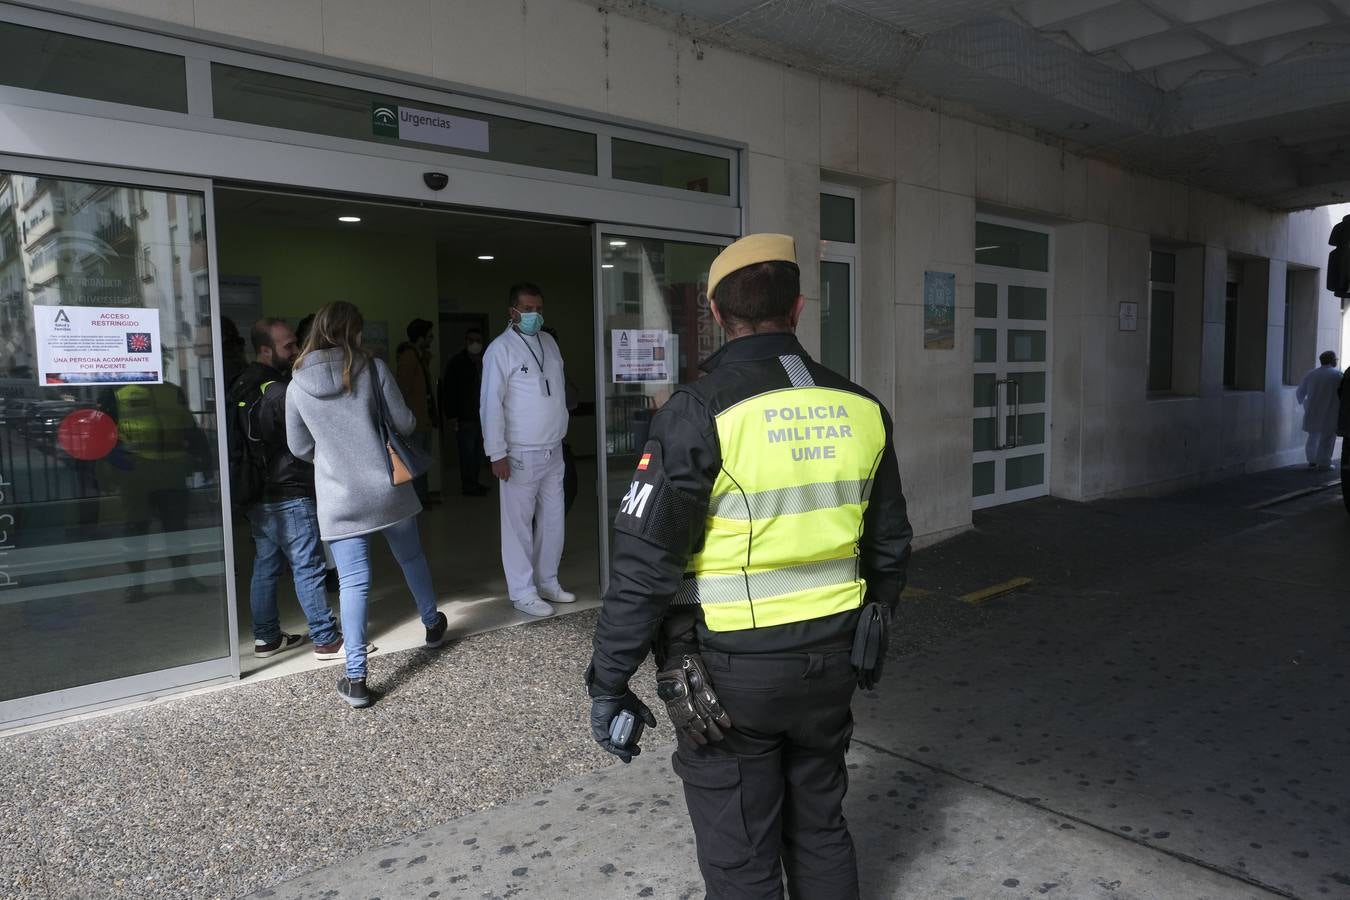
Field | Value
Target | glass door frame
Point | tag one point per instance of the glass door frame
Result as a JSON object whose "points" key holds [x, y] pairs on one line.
{"points": [[1003, 277], [86, 698], [848, 253], [599, 231], [834, 255]]}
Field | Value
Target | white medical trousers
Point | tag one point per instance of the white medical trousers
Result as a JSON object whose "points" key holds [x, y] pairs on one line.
{"points": [[1319, 448], [532, 522]]}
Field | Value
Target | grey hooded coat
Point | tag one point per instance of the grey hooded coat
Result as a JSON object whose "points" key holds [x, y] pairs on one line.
{"points": [[337, 431]]}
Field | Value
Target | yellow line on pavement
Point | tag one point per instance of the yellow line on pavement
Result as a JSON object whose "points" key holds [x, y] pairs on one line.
{"points": [[914, 593], [997, 590]]}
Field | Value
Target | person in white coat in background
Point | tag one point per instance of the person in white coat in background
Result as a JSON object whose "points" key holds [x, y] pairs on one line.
{"points": [[1318, 393], [524, 415]]}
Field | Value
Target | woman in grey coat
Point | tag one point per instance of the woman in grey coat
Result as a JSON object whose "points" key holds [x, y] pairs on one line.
{"points": [[331, 420]]}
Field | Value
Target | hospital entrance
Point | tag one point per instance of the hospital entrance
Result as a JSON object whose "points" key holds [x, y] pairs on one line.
{"points": [[283, 255]]}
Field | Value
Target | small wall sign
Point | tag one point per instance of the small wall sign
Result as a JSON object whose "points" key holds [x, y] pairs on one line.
{"points": [[1129, 316]]}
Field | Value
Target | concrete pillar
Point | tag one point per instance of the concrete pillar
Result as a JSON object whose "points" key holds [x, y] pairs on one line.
{"points": [[1083, 318], [877, 293], [935, 231], [1066, 368]]}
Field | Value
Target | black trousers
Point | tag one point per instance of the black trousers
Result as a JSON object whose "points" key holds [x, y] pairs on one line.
{"points": [[471, 456], [1345, 471], [767, 801]]}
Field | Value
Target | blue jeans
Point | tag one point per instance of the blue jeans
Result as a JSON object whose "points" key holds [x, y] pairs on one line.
{"points": [[288, 532], [353, 564]]}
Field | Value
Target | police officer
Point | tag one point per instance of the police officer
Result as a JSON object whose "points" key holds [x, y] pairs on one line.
{"points": [[759, 552]]}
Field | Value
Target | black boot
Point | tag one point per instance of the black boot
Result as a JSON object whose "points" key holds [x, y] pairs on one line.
{"points": [[353, 690]]}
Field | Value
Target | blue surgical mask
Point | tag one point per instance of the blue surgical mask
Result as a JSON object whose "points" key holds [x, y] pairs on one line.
{"points": [[530, 322]]}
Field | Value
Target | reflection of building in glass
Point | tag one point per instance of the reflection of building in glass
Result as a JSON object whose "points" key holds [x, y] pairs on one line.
{"points": [[78, 243], [16, 340], [88, 244]]}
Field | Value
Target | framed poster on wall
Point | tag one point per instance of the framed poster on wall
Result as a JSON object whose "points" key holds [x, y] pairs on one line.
{"points": [[939, 310]]}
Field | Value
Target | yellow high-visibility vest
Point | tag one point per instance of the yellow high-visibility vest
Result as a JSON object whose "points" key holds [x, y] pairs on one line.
{"points": [[152, 421], [786, 511]]}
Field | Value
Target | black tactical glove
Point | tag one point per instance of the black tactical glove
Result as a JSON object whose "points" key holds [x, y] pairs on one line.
{"points": [[603, 711], [690, 701]]}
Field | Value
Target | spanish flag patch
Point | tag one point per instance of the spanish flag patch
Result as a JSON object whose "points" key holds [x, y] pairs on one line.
{"points": [[644, 462]]}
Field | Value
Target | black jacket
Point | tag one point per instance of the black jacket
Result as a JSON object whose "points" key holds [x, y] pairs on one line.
{"points": [[460, 392], [1343, 420], [288, 478], [649, 557]]}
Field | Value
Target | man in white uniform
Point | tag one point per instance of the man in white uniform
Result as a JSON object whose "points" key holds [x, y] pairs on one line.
{"points": [[524, 415], [1321, 406]]}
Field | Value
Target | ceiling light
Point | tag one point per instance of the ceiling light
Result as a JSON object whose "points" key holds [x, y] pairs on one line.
{"points": [[607, 265], [990, 247], [486, 257], [349, 219], [618, 243]]}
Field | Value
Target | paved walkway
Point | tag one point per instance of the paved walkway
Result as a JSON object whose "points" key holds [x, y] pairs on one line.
{"points": [[1162, 713]]}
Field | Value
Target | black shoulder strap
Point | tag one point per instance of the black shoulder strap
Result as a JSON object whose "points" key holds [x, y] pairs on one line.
{"points": [[381, 410]]}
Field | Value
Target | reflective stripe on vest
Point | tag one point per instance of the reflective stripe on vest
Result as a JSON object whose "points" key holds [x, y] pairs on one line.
{"points": [[785, 514]]}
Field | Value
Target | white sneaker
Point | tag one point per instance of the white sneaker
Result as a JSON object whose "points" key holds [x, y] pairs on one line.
{"points": [[557, 595], [533, 606]]}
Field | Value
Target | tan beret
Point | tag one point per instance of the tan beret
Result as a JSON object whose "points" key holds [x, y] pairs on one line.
{"points": [[751, 249]]}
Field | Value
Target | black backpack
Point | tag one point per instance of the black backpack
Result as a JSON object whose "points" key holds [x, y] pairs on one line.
{"points": [[246, 451]]}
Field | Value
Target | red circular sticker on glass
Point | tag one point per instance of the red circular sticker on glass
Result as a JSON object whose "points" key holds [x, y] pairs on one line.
{"points": [[87, 434]]}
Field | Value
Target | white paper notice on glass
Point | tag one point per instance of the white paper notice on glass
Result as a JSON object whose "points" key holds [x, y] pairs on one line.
{"points": [[642, 355], [97, 345]]}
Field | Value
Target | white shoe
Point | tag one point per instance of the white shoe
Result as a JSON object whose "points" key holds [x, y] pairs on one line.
{"points": [[557, 595], [533, 606]]}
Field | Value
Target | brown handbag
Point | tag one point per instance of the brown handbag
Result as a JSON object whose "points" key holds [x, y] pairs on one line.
{"points": [[398, 472]]}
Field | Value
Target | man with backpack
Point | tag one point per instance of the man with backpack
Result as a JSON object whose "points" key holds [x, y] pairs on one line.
{"points": [[275, 492]]}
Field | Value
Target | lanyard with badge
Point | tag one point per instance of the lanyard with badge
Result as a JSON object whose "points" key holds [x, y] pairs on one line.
{"points": [[543, 376]]}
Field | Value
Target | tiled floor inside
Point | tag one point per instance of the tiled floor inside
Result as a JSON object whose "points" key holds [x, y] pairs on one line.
{"points": [[461, 536]]}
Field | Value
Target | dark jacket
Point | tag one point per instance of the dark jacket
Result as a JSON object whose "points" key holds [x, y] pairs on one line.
{"points": [[647, 569], [463, 383], [288, 478], [414, 382], [1343, 420]]}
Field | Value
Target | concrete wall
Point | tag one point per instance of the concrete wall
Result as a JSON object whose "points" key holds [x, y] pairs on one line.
{"points": [[924, 175]]}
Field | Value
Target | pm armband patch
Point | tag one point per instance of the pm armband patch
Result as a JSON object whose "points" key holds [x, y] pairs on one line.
{"points": [[651, 508]]}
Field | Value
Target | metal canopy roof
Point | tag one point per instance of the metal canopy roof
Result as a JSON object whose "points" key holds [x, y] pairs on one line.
{"points": [[1250, 98]]}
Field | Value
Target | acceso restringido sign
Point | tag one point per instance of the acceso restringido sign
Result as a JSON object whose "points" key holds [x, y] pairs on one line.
{"points": [[97, 345]]}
